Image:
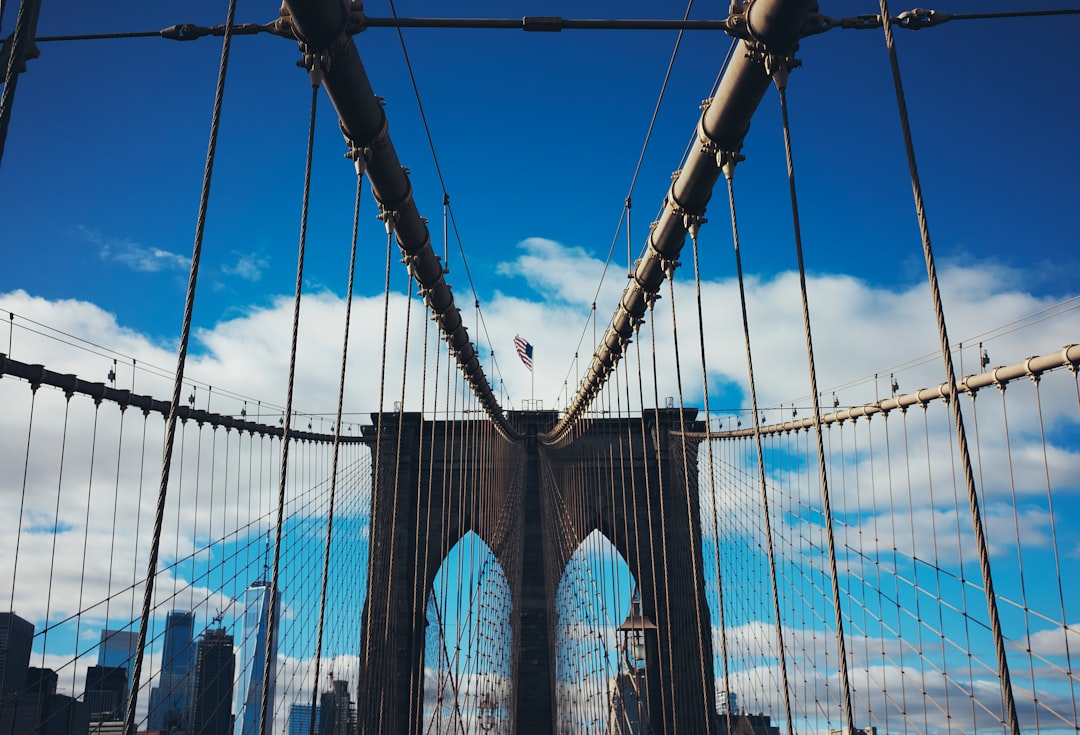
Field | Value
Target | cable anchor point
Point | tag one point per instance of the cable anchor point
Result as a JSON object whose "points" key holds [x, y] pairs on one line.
{"points": [[389, 218], [779, 66], [316, 64], [693, 223], [726, 162]]}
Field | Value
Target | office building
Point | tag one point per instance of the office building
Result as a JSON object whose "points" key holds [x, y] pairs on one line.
{"points": [[170, 698], [338, 715], [259, 611], [300, 720], [38, 709], [117, 648], [16, 636], [215, 666], [106, 693]]}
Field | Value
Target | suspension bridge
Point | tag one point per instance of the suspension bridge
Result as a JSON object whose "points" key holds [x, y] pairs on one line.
{"points": [[650, 552]]}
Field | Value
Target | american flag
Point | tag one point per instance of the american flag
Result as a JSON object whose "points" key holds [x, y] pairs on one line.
{"points": [[524, 350]]}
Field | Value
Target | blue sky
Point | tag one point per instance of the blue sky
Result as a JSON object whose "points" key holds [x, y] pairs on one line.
{"points": [[538, 137]]}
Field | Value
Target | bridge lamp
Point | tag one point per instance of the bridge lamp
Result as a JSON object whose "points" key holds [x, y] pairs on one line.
{"points": [[487, 708], [631, 634]]}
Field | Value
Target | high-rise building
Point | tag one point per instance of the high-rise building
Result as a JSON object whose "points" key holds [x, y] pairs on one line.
{"points": [[338, 715], [16, 636], [117, 650], [106, 693], [38, 709], [171, 697], [215, 666], [258, 613], [300, 718]]}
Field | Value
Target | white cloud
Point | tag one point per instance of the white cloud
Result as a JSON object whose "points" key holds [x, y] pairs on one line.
{"points": [[138, 257], [248, 266], [858, 329]]}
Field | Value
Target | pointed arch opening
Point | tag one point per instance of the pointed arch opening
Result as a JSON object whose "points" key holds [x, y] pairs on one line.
{"points": [[468, 648], [592, 688]]}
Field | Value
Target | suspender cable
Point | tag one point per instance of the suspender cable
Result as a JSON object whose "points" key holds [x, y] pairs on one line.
{"points": [[691, 522], [181, 360], [729, 159], [712, 485], [663, 525], [271, 628], [334, 461], [1010, 714], [780, 75]]}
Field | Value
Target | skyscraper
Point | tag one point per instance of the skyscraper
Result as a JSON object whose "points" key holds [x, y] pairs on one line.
{"points": [[171, 698], [16, 636], [215, 665], [117, 650], [300, 720], [258, 612], [338, 716], [106, 692]]}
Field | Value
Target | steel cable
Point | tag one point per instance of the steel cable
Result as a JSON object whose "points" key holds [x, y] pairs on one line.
{"points": [[1010, 714], [283, 468], [729, 173], [334, 461], [780, 78], [185, 332]]}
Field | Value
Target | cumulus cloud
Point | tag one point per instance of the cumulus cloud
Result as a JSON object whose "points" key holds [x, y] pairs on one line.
{"points": [[103, 500]]}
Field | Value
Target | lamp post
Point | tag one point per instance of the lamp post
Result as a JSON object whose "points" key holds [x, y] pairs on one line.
{"points": [[487, 709], [631, 641], [631, 635]]}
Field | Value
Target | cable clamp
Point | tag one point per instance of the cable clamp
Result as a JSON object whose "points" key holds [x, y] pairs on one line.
{"points": [[778, 66], [919, 18], [316, 64], [355, 22], [389, 218], [727, 160], [667, 265], [736, 25], [691, 221], [359, 155]]}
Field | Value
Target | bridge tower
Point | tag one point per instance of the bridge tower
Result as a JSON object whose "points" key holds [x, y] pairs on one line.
{"points": [[533, 517]]}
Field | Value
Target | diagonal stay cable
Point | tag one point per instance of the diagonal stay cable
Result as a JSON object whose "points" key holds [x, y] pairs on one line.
{"points": [[181, 360], [1010, 716]]}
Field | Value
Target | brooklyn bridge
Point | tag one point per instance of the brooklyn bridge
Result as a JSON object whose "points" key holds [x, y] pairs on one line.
{"points": [[189, 546]]}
